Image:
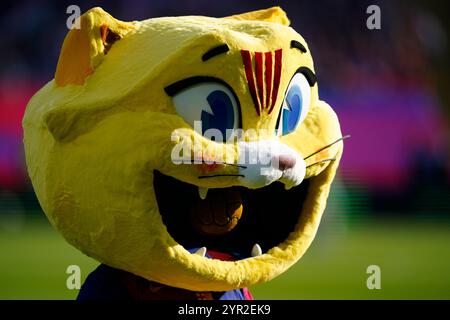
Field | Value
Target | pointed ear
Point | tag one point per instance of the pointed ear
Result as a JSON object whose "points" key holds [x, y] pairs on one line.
{"points": [[274, 14], [84, 48]]}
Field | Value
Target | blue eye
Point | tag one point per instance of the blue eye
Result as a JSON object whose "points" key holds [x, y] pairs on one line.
{"points": [[295, 105], [222, 116], [211, 105]]}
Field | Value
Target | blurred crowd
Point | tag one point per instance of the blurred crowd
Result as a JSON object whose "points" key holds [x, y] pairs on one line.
{"points": [[388, 86]]}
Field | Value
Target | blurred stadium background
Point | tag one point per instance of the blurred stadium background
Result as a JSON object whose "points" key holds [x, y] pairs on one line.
{"points": [[390, 205]]}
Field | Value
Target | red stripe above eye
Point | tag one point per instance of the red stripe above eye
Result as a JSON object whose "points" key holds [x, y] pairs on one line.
{"points": [[247, 59], [259, 77], [277, 77], [268, 76]]}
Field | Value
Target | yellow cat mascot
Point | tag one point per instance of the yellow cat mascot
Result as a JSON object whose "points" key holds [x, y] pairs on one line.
{"points": [[191, 156]]}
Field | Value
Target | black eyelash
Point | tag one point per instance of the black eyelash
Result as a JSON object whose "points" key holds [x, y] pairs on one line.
{"points": [[178, 86], [309, 75]]}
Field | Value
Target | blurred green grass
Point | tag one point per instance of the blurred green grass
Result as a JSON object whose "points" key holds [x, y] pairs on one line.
{"points": [[414, 258]]}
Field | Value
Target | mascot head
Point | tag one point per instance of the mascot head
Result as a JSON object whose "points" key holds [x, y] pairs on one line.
{"points": [[163, 139]]}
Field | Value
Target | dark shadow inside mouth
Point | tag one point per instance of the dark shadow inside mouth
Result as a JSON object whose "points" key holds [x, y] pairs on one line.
{"points": [[269, 214]]}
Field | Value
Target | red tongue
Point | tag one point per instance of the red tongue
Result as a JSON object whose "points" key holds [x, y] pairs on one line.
{"points": [[221, 256], [219, 213]]}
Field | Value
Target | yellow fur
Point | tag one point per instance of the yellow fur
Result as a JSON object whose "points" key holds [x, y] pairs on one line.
{"points": [[94, 135]]}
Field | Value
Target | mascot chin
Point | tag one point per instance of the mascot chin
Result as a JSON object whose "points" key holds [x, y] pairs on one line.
{"points": [[191, 156]]}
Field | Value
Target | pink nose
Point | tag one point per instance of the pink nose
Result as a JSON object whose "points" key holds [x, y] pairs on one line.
{"points": [[285, 162]]}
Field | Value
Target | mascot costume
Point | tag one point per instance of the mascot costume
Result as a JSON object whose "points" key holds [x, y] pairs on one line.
{"points": [[191, 156]]}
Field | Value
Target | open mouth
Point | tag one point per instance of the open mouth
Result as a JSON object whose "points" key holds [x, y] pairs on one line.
{"points": [[231, 223]]}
